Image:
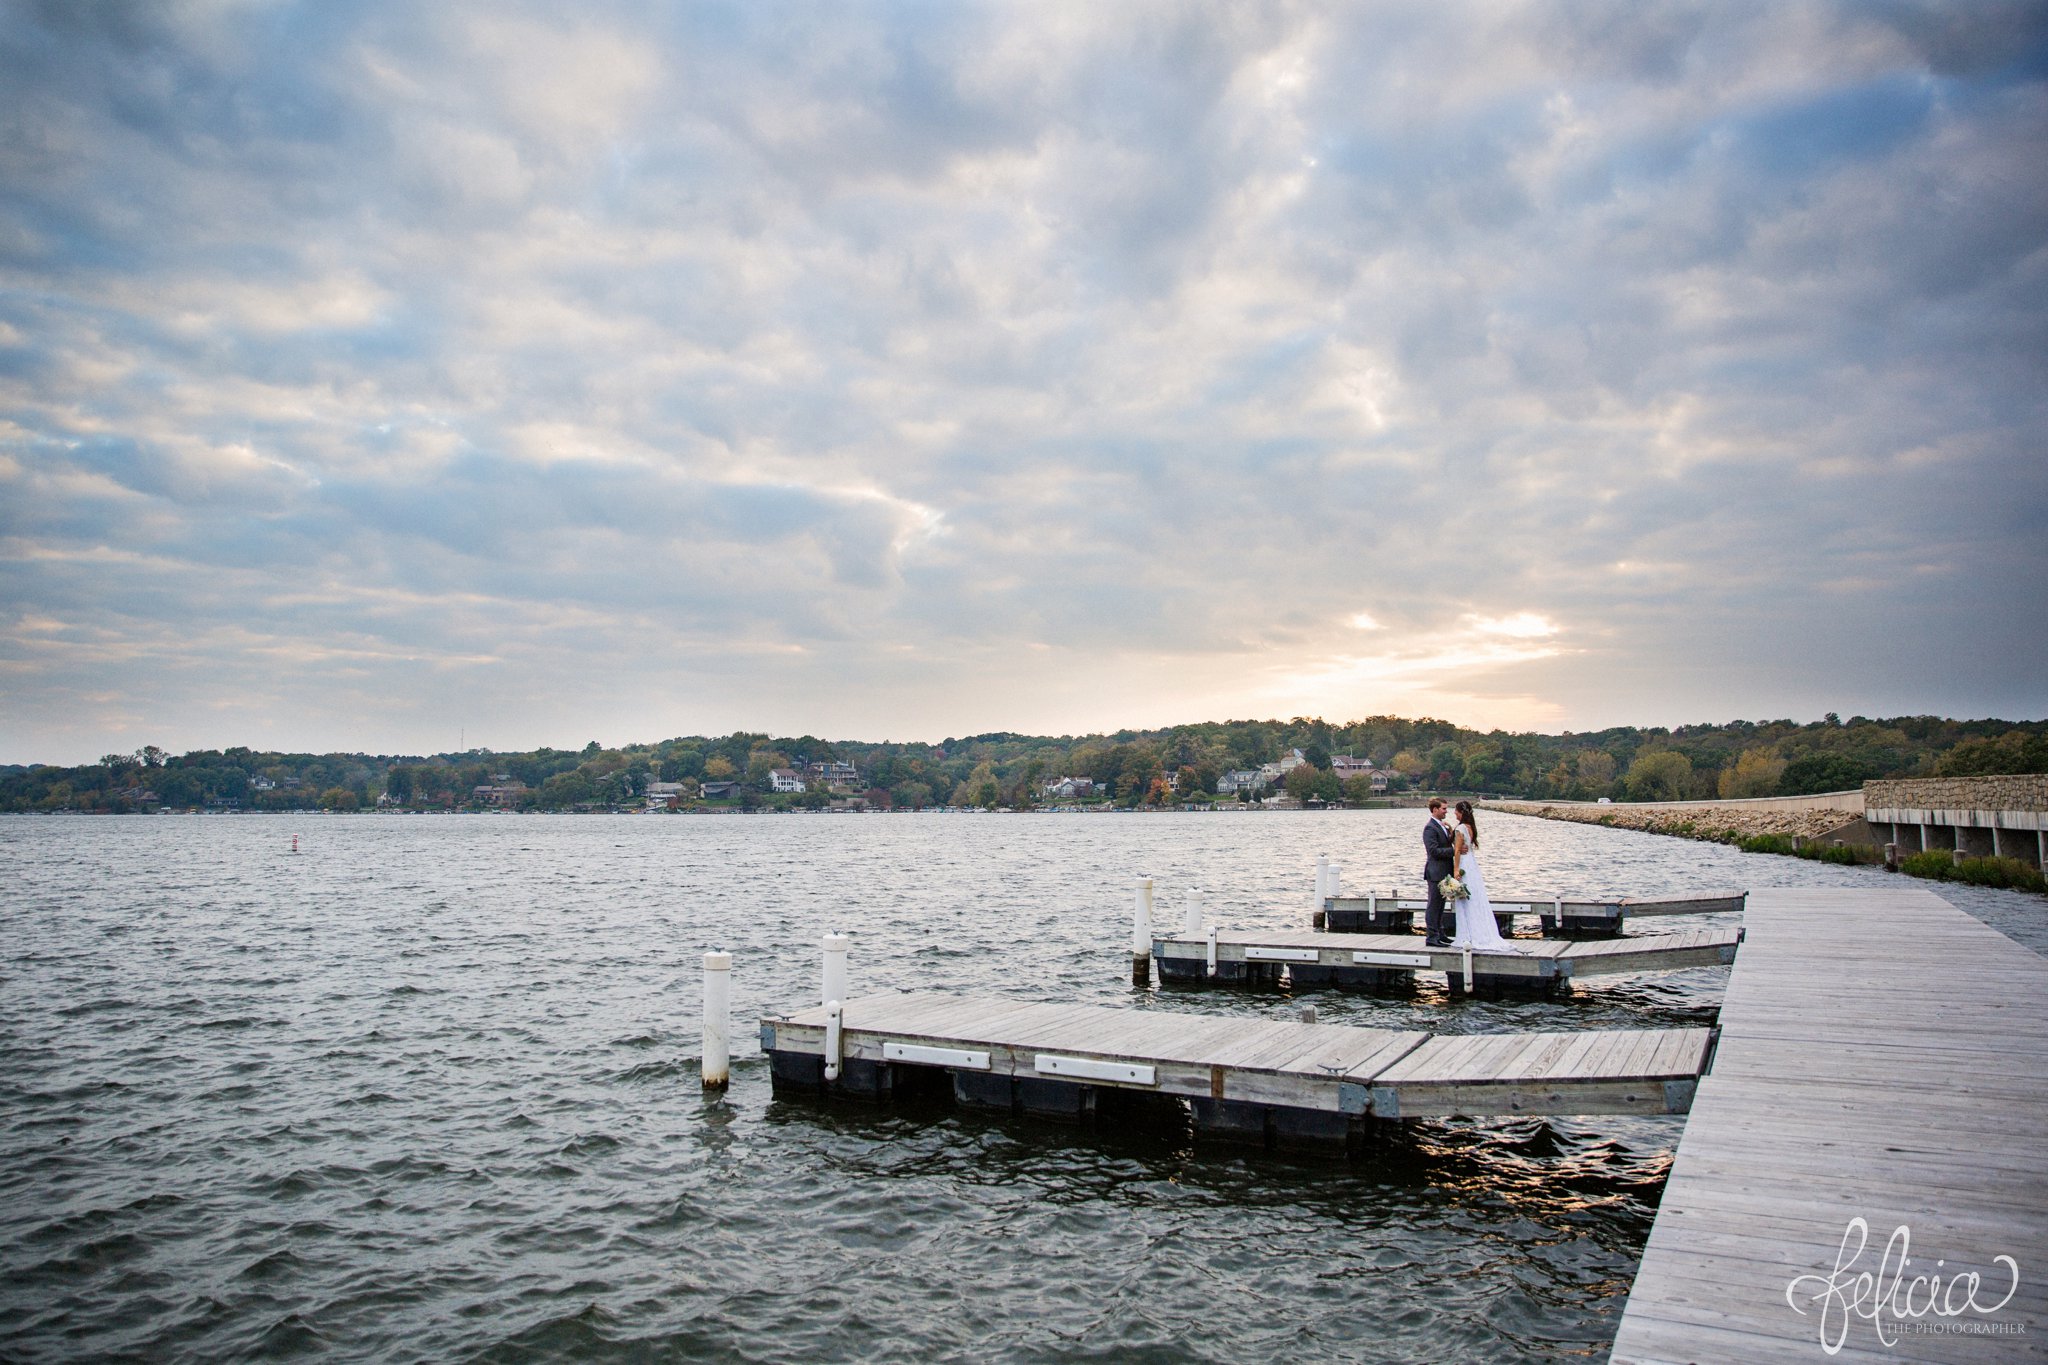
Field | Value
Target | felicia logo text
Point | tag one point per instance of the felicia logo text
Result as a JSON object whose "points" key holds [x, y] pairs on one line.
{"points": [[1889, 1297]]}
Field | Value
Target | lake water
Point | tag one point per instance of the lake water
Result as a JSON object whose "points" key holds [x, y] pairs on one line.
{"points": [[429, 1088]]}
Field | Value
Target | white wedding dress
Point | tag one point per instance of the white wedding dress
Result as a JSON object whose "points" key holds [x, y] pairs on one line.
{"points": [[1477, 928]]}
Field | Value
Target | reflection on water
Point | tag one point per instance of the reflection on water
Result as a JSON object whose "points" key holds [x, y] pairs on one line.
{"points": [[428, 1088]]}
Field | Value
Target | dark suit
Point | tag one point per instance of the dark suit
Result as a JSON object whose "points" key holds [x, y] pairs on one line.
{"points": [[1438, 851]]}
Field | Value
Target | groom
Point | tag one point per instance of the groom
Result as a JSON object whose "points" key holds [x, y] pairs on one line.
{"points": [[1437, 849]]}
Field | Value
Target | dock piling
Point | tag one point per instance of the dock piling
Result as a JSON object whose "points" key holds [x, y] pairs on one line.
{"points": [[835, 1031], [1141, 935], [1192, 922], [717, 1020], [834, 982]]}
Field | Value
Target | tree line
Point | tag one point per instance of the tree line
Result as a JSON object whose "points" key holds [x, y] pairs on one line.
{"points": [[1174, 765]]}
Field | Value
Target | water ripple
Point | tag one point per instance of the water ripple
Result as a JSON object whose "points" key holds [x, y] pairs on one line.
{"points": [[429, 1089]]}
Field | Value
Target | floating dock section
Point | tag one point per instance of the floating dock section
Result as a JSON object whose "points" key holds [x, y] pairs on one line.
{"points": [[1260, 957], [1559, 914], [1874, 1122], [1250, 1079]]}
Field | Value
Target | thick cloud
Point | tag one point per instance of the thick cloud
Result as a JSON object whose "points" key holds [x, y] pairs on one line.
{"points": [[371, 374]]}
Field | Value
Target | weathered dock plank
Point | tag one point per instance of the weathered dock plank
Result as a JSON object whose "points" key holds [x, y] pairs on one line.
{"points": [[1884, 1057], [1240, 1073], [1246, 955]]}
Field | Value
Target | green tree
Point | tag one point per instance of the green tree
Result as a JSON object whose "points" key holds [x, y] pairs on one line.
{"points": [[1827, 772], [1659, 775], [2015, 751], [1027, 784], [565, 789], [338, 798], [1487, 767], [982, 787]]}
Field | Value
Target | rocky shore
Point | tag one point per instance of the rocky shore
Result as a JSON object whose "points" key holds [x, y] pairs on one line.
{"points": [[1696, 822]]}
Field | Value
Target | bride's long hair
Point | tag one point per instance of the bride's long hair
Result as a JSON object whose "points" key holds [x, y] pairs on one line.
{"points": [[1464, 809]]}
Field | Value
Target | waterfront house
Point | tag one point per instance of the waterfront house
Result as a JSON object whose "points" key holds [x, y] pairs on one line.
{"points": [[786, 780], [837, 776]]}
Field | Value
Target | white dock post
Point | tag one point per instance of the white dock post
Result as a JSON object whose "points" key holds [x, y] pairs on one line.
{"points": [[1335, 885], [835, 1019], [1212, 950], [1322, 880], [834, 986], [1141, 935], [717, 1020], [1192, 924], [1468, 970]]}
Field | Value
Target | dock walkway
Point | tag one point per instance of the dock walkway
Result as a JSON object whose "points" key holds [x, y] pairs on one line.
{"points": [[1245, 1076], [1344, 959], [1884, 1057]]}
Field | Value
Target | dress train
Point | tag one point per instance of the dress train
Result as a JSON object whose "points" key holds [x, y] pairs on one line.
{"points": [[1477, 929]]}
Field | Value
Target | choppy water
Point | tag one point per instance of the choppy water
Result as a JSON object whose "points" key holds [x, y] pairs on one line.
{"points": [[429, 1089]]}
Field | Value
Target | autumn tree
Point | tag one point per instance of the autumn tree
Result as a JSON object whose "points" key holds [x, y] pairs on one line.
{"points": [[1755, 773]]}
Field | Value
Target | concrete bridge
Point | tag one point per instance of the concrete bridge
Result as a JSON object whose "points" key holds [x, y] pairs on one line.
{"points": [[2005, 817]]}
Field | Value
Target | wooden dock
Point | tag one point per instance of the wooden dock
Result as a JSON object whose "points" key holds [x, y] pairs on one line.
{"points": [[1257, 1079], [1884, 1057], [1396, 912], [1255, 957]]}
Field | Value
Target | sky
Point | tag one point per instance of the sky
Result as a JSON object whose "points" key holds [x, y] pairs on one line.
{"points": [[395, 378]]}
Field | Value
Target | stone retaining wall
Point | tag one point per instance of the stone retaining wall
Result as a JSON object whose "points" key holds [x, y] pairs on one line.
{"points": [[2025, 792]]}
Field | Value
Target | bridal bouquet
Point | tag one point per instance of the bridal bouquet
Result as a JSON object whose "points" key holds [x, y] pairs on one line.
{"points": [[1454, 890]]}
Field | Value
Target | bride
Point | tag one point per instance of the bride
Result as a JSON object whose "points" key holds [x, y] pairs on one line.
{"points": [[1476, 926]]}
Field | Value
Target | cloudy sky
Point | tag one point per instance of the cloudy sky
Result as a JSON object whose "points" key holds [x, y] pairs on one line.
{"points": [[387, 376]]}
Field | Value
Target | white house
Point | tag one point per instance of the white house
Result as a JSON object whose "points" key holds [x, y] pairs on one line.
{"points": [[785, 780], [1069, 788]]}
